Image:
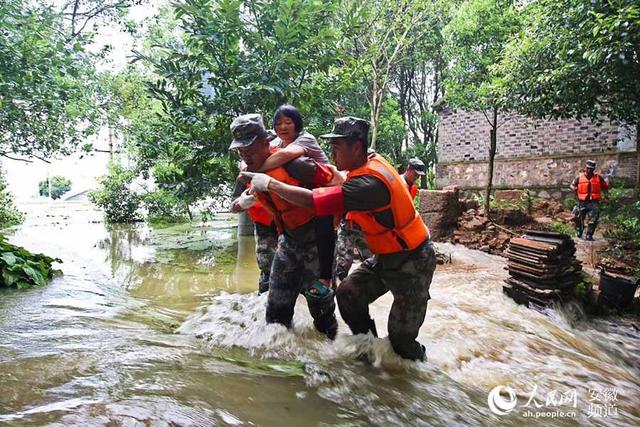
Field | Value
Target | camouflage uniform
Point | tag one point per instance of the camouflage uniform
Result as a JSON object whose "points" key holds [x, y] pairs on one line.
{"points": [[408, 277], [589, 210], [349, 237], [266, 244], [294, 269]]}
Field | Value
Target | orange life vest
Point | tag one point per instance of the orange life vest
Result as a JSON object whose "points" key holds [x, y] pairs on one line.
{"points": [[259, 214], [287, 215], [588, 187], [413, 188], [409, 231]]}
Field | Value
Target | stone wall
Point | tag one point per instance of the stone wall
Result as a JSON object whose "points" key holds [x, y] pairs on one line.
{"points": [[439, 210], [543, 154], [528, 172]]}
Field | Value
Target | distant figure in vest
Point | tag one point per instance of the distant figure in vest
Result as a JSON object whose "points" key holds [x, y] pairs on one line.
{"points": [[375, 198], [415, 170], [588, 187]]}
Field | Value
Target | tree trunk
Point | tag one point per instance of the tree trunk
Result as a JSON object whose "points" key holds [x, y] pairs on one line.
{"points": [[374, 131], [492, 155], [376, 106]]}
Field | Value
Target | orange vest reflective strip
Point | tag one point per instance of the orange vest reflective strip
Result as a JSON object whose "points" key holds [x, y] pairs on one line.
{"points": [[588, 186], [409, 231], [287, 215]]}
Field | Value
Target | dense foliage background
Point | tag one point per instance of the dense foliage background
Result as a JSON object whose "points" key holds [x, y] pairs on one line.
{"points": [[199, 63]]}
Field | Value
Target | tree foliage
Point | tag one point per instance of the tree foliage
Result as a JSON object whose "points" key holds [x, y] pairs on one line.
{"points": [[9, 214], [46, 92], [583, 62], [59, 186], [115, 195], [475, 39]]}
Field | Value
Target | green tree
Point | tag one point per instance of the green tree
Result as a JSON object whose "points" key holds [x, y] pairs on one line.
{"points": [[115, 196], [46, 91], [229, 57], [475, 38], [59, 186], [418, 81], [581, 63], [380, 34], [9, 214]]}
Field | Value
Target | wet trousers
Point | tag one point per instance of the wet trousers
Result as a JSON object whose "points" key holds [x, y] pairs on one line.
{"points": [[408, 280], [266, 244], [348, 240], [590, 211], [295, 267]]}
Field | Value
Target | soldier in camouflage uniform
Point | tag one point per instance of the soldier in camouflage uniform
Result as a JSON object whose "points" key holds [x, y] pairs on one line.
{"points": [[295, 267], [375, 197], [349, 240], [295, 264]]}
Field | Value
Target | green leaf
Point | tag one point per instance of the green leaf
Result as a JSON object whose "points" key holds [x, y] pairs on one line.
{"points": [[9, 258]]}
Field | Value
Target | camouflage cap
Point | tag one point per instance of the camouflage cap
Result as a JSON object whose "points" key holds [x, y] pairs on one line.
{"points": [[349, 127], [591, 164], [417, 165], [246, 129]]}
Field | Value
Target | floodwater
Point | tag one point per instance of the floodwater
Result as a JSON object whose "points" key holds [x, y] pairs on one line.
{"points": [[164, 327]]}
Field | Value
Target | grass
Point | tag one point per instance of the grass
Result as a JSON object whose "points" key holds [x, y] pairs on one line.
{"points": [[561, 227]]}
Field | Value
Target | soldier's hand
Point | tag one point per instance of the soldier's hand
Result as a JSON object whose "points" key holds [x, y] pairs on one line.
{"points": [[338, 177], [246, 199], [259, 181], [235, 206]]}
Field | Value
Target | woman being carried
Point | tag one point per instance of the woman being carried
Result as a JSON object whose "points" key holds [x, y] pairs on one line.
{"points": [[294, 142]]}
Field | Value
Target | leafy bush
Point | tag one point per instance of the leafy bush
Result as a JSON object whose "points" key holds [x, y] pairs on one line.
{"points": [[561, 227], [59, 186], [115, 196], [23, 269], [9, 214], [621, 210], [569, 202], [163, 206]]}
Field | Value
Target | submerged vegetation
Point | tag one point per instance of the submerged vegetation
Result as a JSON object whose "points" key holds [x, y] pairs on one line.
{"points": [[22, 269]]}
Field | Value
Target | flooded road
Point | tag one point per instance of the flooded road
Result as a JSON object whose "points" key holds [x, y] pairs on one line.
{"points": [[164, 327]]}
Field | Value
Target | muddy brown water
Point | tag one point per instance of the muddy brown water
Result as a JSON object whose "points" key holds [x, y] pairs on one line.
{"points": [[163, 327]]}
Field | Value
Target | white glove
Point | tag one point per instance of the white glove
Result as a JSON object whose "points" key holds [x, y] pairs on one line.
{"points": [[246, 199], [259, 181], [338, 177]]}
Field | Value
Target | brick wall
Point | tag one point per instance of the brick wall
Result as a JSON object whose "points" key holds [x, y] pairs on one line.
{"points": [[530, 153]]}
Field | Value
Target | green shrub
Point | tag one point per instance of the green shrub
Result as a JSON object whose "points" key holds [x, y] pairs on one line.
{"points": [[9, 214], [561, 227], [59, 186], [621, 211], [115, 196], [164, 206], [22, 269], [569, 202]]}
